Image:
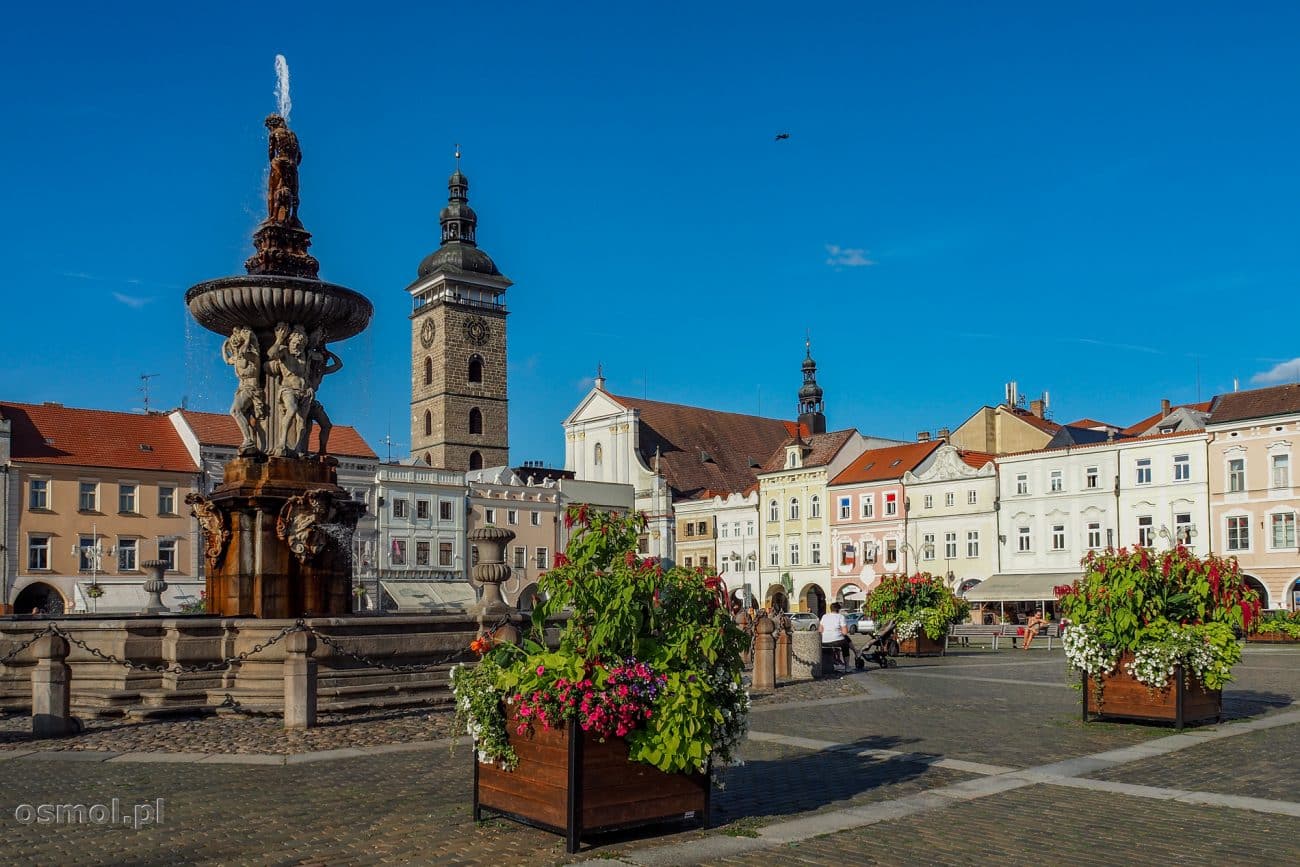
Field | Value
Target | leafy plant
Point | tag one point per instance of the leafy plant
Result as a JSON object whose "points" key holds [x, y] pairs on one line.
{"points": [[1285, 622], [924, 598]]}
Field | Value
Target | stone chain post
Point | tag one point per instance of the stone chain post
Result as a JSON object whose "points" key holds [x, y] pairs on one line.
{"points": [[783, 650], [763, 680], [51, 688], [299, 681]]}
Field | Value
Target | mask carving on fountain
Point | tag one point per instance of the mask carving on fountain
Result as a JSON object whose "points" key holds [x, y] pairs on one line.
{"points": [[213, 523]]}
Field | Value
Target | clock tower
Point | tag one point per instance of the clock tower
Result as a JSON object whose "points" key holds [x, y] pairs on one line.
{"points": [[458, 347]]}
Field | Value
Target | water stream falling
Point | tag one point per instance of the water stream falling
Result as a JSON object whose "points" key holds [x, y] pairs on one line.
{"points": [[283, 103]]}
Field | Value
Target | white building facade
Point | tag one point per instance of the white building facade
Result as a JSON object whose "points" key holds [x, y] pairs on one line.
{"points": [[952, 524]]}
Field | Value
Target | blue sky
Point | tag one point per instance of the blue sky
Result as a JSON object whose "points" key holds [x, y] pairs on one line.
{"points": [[1098, 200]]}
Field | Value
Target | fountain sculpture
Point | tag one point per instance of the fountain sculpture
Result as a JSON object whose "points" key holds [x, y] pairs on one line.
{"points": [[278, 530]]}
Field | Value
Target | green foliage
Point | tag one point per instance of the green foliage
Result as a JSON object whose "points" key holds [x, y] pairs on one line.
{"points": [[921, 597], [1285, 622]]}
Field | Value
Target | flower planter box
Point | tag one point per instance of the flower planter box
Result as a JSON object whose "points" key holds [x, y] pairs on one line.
{"points": [[570, 783], [920, 645], [1123, 696], [1271, 638]]}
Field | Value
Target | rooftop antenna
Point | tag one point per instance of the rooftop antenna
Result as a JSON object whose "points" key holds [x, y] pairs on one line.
{"points": [[388, 441], [144, 388]]}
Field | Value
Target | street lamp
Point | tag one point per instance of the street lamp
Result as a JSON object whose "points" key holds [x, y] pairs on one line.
{"points": [[1181, 535], [92, 553]]}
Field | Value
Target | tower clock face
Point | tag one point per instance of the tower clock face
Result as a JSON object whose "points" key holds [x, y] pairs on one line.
{"points": [[476, 329], [426, 333]]}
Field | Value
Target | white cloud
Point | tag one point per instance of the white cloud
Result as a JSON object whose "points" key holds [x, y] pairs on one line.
{"points": [[1286, 371], [847, 257], [585, 383], [135, 302]]}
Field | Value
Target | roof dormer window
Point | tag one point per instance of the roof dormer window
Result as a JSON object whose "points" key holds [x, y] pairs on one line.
{"points": [[792, 457]]}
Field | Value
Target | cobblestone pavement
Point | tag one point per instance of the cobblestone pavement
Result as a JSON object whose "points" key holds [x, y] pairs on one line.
{"points": [[975, 757]]}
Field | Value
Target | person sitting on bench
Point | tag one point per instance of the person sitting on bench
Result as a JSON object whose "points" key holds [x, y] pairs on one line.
{"points": [[835, 634]]}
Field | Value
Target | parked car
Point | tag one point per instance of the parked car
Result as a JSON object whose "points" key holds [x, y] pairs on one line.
{"points": [[804, 620], [851, 619], [864, 625]]}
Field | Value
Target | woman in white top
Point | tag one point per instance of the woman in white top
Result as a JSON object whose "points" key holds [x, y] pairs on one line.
{"points": [[835, 631]]}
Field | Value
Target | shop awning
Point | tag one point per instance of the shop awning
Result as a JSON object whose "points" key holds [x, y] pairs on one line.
{"points": [[1028, 587], [433, 597]]}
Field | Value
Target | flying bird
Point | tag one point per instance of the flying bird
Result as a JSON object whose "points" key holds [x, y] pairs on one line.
{"points": [[781, 135]]}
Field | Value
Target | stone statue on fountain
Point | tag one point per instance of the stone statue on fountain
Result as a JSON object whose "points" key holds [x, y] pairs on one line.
{"points": [[321, 363], [249, 408], [282, 185], [288, 359]]}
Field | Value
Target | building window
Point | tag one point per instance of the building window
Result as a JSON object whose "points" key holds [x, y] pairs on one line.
{"points": [[167, 553], [794, 508], [398, 557], [444, 510], [543, 557], [704, 561], [1058, 537], [421, 553], [869, 506], [1091, 478], [891, 551], [38, 494], [749, 528], [428, 459], [1022, 483], [949, 499], [38, 552], [521, 556], [1146, 531], [512, 516], [87, 557], [126, 555], [422, 509], [1143, 471], [1057, 481], [774, 554], [399, 508], [1239, 533], [1182, 468], [702, 528], [950, 546], [535, 518], [690, 562], [1183, 528], [1236, 475], [794, 553], [973, 543], [597, 455], [690, 528], [475, 421], [428, 370], [444, 553], [847, 557], [815, 552], [428, 423], [846, 508], [490, 516], [722, 529], [1023, 542], [927, 502], [126, 498], [475, 461], [927, 546], [815, 506], [166, 500], [1094, 536], [773, 511], [971, 498], [1283, 529], [1281, 471], [88, 496], [891, 504], [475, 372]]}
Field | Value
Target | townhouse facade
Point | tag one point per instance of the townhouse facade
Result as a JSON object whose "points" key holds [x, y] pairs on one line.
{"points": [[499, 498], [952, 519], [417, 549], [1254, 499]]}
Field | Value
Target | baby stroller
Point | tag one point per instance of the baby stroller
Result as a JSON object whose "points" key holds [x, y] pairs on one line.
{"points": [[878, 649]]}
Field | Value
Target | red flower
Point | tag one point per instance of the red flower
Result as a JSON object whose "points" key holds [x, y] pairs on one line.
{"points": [[560, 559]]}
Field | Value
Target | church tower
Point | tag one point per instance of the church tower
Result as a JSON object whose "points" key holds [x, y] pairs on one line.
{"points": [[811, 407], [458, 347]]}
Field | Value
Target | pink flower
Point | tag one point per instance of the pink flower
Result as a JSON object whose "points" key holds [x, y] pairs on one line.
{"points": [[541, 669]]}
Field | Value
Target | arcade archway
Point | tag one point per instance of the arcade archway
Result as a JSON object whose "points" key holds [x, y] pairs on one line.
{"points": [[814, 600], [39, 598]]}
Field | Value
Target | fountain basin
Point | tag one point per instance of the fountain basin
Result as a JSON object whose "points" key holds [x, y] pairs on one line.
{"points": [[259, 301]]}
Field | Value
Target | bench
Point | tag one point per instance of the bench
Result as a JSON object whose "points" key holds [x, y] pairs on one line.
{"points": [[964, 632], [1016, 633]]}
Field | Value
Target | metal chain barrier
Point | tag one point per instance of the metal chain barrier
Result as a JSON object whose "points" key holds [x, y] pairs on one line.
{"points": [[455, 655], [177, 668], [4, 660]]}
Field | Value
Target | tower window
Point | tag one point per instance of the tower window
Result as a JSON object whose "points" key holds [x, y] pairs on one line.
{"points": [[428, 370], [428, 423], [475, 421], [428, 460], [475, 368], [475, 461]]}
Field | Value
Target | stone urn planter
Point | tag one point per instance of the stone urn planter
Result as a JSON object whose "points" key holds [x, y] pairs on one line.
{"points": [[920, 645], [569, 782], [1120, 695]]}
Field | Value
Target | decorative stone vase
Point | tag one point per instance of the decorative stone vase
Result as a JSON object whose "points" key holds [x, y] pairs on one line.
{"points": [[920, 645], [570, 783], [154, 587], [1120, 695]]}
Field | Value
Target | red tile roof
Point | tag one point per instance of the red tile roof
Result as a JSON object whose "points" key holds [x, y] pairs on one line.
{"points": [[53, 434], [821, 449], [976, 459], [705, 449], [219, 429], [1029, 418], [1090, 423], [878, 465], [1125, 441], [1150, 421], [1256, 403]]}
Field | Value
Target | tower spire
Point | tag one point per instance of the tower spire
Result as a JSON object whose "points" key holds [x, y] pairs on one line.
{"points": [[811, 407]]}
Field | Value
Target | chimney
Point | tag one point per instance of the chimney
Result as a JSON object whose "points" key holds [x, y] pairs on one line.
{"points": [[1164, 407], [1036, 408], [943, 433], [923, 436]]}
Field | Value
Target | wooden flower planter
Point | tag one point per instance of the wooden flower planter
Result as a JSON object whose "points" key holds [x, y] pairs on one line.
{"points": [[920, 645], [570, 783], [1123, 696], [1271, 638]]}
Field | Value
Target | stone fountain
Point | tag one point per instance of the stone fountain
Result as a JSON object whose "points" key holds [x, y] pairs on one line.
{"points": [[278, 530]]}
